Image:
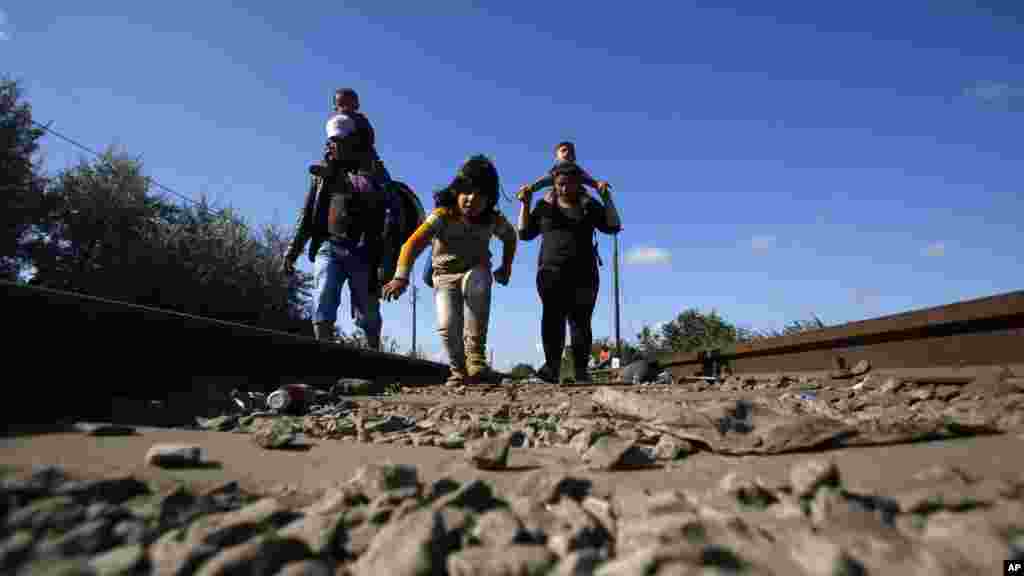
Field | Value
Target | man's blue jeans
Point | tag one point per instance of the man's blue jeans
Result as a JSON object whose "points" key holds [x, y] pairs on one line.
{"points": [[334, 265]]}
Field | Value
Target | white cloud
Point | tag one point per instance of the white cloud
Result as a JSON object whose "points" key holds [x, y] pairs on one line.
{"points": [[648, 255], [864, 296], [762, 243], [1002, 95], [935, 249]]}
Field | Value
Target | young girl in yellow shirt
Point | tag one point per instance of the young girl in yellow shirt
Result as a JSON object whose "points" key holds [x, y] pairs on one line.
{"points": [[460, 230]]}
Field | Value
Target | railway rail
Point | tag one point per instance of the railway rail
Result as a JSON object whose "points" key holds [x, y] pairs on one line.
{"points": [[93, 357], [86, 354], [955, 341]]}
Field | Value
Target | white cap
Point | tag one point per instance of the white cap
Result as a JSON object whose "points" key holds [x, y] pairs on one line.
{"points": [[340, 126]]}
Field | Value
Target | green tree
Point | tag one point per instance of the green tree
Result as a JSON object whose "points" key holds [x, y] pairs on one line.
{"points": [[521, 371], [20, 182], [695, 331], [104, 234], [794, 327]]}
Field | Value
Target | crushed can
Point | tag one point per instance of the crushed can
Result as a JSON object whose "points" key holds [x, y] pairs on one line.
{"points": [[293, 398]]}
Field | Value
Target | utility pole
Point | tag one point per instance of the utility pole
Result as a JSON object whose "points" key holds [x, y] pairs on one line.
{"points": [[615, 281], [413, 319]]}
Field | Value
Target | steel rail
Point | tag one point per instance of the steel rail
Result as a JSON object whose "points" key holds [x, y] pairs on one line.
{"points": [[81, 351], [979, 332]]}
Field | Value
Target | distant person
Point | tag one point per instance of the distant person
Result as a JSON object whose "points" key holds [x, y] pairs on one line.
{"points": [[567, 275], [604, 358], [460, 229], [564, 152], [344, 217]]}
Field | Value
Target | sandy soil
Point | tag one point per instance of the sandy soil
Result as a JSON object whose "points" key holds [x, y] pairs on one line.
{"points": [[317, 463]]}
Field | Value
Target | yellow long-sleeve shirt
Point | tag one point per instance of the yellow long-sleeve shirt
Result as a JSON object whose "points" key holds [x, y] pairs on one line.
{"points": [[458, 245]]}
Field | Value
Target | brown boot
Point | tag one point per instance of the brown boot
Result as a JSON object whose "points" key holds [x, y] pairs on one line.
{"points": [[482, 374], [457, 376]]}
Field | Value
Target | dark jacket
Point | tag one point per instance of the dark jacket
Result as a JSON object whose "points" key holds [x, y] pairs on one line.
{"points": [[567, 244], [363, 231]]}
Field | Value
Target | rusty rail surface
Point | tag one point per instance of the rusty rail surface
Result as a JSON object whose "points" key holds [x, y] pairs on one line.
{"points": [[83, 351], [980, 332]]}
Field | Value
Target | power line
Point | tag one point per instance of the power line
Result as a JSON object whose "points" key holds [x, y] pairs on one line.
{"points": [[98, 155]]}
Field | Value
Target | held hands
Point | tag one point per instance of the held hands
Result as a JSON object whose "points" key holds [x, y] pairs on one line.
{"points": [[392, 290]]}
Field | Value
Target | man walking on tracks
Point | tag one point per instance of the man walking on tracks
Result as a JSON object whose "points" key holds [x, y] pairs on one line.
{"points": [[344, 218]]}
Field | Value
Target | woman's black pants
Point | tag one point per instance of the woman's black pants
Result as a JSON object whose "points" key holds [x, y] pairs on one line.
{"points": [[567, 295]]}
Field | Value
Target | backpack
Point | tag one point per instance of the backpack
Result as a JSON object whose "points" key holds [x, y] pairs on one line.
{"points": [[411, 215]]}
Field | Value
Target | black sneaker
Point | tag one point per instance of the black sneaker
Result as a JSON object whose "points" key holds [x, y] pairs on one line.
{"points": [[545, 374], [583, 379]]}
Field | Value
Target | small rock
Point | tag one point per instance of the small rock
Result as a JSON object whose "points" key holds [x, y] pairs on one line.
{"points": [[60, 567], [609, 453], [580, 563], [220, 423], [475, 495], [631, 563], [412, 546], [393, 423], [116, 490], [306, 568], [261, 555], [576, 529], [352, 387], [891, 384], [922, 394], [174, 455], [183, 549], [225, 497], [821, 557], [104, 429], [861, 368], [490, 453], [453, 441], [86, 538], [548, 487], [748, 492], [670, 448], [43, 482], [123, 560], [502, 412], [15, 549], [375, 479], [130, 532], [498, 528], [805, 477], [940, 473], [59, 513], [524, 559], [320, 533], [442, 487], [273, 435], [177, 508]]}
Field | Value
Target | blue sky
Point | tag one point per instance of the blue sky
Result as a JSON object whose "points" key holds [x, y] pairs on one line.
{"points": [[769, 160]]}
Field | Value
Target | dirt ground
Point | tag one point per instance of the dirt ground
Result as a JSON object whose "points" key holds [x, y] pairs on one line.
{"points": [[312, 464], [882, 469], [357, 431]]}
